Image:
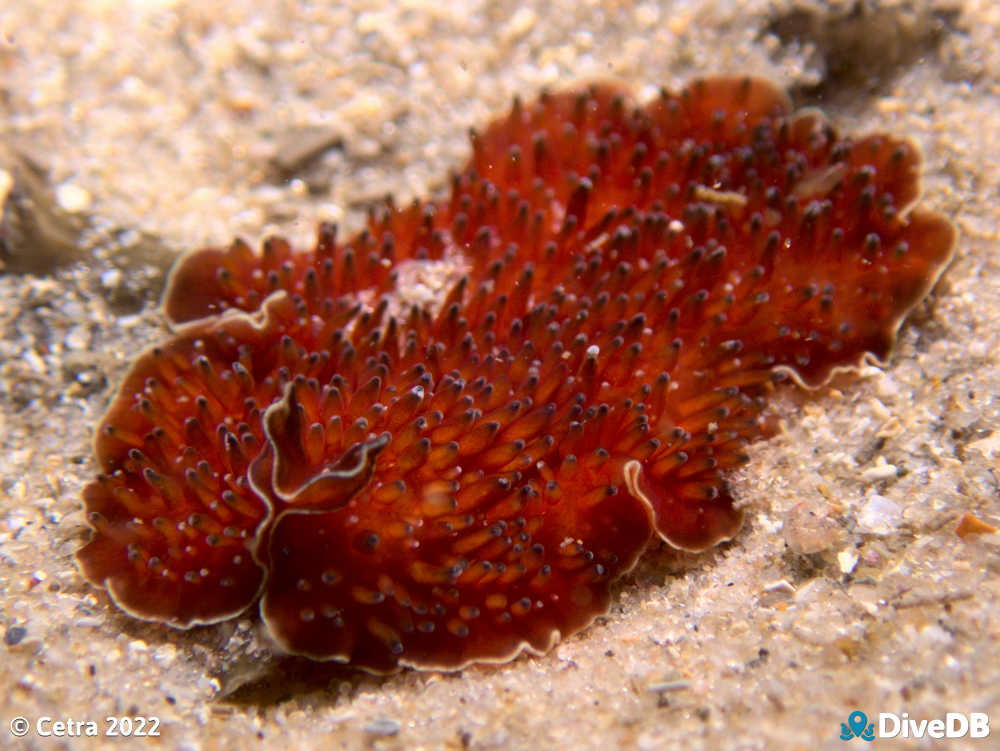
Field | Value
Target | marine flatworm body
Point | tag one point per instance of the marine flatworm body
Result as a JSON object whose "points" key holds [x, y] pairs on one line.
{"points": [[404, 480]]}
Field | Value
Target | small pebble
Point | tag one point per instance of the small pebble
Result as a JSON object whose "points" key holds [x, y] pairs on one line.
{"points": [[362, 107], [72, 198], [808, 532], [880, 410], [665, 686], [111, 278], [881, 471], [973, 525], [847, 560], [14, 635], [879, 515], [519, 24], [78, 338], [782, 585], [978, 349], [383, 726]]}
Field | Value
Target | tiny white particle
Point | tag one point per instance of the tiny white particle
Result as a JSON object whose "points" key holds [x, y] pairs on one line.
{"points": [[847, 560], [72, 198]]}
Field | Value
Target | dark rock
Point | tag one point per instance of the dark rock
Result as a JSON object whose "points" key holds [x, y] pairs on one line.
{"points": [[14, 635]]}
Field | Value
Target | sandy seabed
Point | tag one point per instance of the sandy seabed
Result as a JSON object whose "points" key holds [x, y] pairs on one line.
{"points": [[164, 126]]}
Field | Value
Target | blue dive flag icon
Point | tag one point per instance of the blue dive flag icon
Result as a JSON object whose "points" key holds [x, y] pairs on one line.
{"points": [[857, 727]]}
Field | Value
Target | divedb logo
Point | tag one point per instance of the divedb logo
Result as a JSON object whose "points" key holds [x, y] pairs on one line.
{"points": [[889, 725]]}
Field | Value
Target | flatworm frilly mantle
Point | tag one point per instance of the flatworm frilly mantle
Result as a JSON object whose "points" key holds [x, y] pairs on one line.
{"points": [[406, 481]]}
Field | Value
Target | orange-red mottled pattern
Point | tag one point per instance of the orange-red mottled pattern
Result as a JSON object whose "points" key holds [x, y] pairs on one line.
{"points": [[432, 486]]}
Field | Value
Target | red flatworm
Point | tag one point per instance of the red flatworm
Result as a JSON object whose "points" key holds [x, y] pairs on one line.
{"points": [[400, 480]]}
